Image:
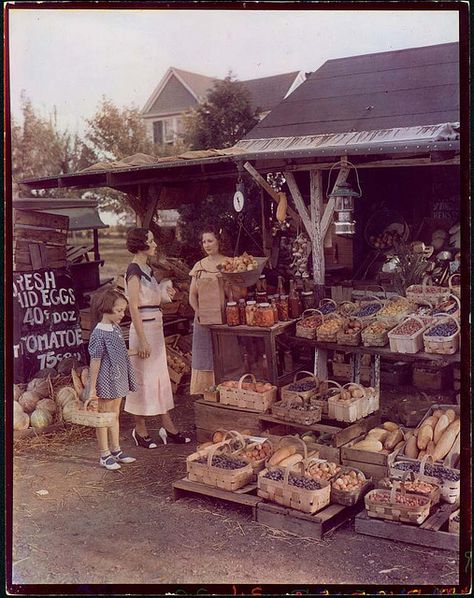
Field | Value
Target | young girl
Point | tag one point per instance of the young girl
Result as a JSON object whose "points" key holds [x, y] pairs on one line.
{"points": [[111, 373]]}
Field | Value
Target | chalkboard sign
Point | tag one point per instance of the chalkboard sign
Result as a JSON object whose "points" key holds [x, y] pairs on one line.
{"points": [[46, 326]]}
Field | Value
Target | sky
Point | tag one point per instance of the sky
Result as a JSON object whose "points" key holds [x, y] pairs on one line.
{"points": [[69, 59]]}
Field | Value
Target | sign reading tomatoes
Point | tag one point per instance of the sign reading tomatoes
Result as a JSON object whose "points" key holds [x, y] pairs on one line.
{"points": [[46, 327]]}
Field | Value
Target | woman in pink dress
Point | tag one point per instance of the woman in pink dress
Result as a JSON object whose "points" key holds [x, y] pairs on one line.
{"points": [[145, 295]]}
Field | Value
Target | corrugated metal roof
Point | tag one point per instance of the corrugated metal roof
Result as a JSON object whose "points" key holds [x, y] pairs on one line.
{"points": [[83, 214], [403, 88]]}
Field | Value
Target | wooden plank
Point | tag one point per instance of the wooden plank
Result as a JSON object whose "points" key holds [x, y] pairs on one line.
{"points": [[184, 486], [41, 236], [299, 202], [268, 188], [316, 197], [438, 519], [40, 219], [213, 416], [401, 532], [371, 470], [35, 256]]}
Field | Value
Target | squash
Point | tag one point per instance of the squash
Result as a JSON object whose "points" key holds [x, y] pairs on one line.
{"points": [[17, 392], [28, 401], [377, 434], [447, 440], [282, 206], [411, 449], [453, 455], [21, 420], [393, 438], [291, 460], [280, 454], [441, 426], [438, 413], [432, 421], [431, 447], [218, 436], [390, 426], [47, 404], [421, 454], [399, 445], [424, 436], [451, 415], [70, 406], [41, 418], [41, 386], [373, 446]]}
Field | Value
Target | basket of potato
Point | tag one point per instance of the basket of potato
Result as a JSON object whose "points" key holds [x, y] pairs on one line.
{"points": [[348, 486], [350, 332], [397, 505], [256, 453], [243, 270], [327, 332], [320, 469], [350, 404]]}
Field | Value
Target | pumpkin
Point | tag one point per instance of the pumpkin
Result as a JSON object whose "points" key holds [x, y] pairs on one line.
{"points": [[17, 409], [41, 418], [48, 405], [17, 392], [41, 386], [28, 401], [21, 420], [66, 394]]}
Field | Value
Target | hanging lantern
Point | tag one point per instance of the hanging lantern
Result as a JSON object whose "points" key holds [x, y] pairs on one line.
{"points": [[343, 195]]}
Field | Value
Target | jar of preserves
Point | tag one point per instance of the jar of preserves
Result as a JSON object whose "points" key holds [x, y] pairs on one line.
{"points": [[283, 311], [242, 318], [294, 301], [232, 314], [274, 304], [307, 297], [264, 315], [250, 311], [261, 296]]}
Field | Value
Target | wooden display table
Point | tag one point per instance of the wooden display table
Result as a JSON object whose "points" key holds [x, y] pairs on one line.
{"points": [[220, 336]]}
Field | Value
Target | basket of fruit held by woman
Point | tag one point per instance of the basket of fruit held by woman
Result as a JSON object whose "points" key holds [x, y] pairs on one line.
{"points": [[394, 310], [425, 291], [244, 270], [216, 467], [397, 505], [310, 320], [348, 485], [350, 332], [331, 325], [305, 388], [442, 336], [293, 489], [258, 396]]}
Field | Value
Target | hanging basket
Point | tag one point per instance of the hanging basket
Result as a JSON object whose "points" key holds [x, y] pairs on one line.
{"points": [[385, 222], [244, 279]]}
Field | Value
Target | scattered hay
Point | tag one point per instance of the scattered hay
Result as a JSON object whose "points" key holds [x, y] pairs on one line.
{"points": [[66, 436]]}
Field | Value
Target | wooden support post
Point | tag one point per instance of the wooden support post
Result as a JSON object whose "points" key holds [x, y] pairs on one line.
{"points": [[95, 235], [319, 268], [299, 202], [153, 196]]}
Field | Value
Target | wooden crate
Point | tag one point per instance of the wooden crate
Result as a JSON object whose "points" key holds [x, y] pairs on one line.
{"points": [[245, 496], [305, 525], [210, 417], [343, 371], [374, 465], [432, 378], [431, 533]]}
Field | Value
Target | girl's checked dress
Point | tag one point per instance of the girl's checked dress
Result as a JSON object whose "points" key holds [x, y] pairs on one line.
{"points": [[154, 395], [116, 377]]}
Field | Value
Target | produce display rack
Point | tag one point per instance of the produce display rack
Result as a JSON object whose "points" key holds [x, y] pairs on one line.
{"points": [[432, 532], [209, 417], [245, 496]]}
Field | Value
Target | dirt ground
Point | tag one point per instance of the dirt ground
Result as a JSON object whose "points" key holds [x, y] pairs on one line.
{"points": [[100, 527]]}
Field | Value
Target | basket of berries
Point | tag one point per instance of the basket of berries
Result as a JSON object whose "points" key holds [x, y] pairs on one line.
{"points": [[443, 336]]}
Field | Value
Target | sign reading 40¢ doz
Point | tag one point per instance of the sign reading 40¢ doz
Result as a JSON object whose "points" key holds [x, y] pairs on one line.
{"points": [[46, 321]]}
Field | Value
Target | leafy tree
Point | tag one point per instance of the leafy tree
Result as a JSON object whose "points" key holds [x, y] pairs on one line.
{"points": [[223, 119]]}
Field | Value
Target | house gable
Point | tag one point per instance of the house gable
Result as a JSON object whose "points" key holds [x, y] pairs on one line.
{"points": [[173, 98]]}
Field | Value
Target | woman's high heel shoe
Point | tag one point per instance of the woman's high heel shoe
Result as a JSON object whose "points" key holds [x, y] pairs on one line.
{"points": [[177, 438], [144, 442]]}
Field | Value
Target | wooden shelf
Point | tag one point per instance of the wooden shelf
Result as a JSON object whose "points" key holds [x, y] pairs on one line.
{"points": [[382, 351], [278, 328]]}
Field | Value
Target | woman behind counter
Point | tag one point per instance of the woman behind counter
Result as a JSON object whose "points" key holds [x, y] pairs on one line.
{"points": [[145, 295]]}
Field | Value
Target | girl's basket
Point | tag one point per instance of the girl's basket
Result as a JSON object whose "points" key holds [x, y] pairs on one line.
{"points": [[350, 333], [443, 345], [394, 310], [248, 399], [297, 410], [455, 288], [327, 306], [396, 505], [327, 331], [93, 419], [201, 469], [300, 492], [404, 341], [349, 497], [304, 388], [427, 292], [307, 326]]}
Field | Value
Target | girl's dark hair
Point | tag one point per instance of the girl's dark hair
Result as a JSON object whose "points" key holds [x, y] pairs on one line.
{"points": [[103, 302], [220, 234], [136, 239], [213, 229]]}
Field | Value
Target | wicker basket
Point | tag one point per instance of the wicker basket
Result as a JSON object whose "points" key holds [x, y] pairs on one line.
{"points": [[93, 419], [454, 288], [245, 279], [427, 292], [453, 525], [442, 345], [344, 338], [394, 511], [327, 306], [410, 476], [248, 399], [450, 307], [371, 338], [407, 307], [288, 410], [350, 497], [403, 343], [325, 392], [217, 477], [368, 301], [257, 464], [347, 308], [350, 410], [287, 393], [329, 337], [309, 316], [288, 495]]}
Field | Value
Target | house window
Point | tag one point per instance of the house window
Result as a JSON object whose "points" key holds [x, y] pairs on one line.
{"points": [[166, 130], [158, 132], [168, 124]]}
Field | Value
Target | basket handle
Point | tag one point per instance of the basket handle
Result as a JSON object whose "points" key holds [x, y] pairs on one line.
{"points": [[444, 317], [423, 463], [408, 476], [330, 382], [304, 372], [424, 283], [291, 438], [327, 300], [411, 317], [371, 298], [356, 384], [379, 286], [210, 454], [254, 380], [449, 297], [312, 309], [451, 277], [301, 467], [86, 404]]}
